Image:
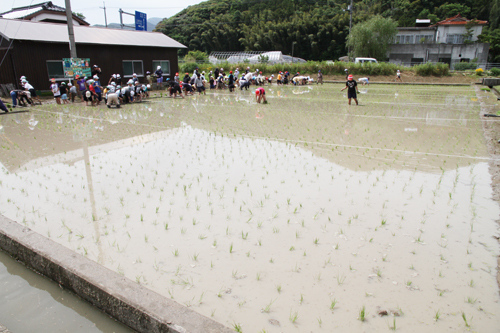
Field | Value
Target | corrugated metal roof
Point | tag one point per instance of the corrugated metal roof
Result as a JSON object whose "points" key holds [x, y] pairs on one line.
{"points": [[58, 33]]}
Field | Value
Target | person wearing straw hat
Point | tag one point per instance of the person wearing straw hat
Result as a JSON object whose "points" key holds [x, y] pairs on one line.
{"points": [[352, 88]]}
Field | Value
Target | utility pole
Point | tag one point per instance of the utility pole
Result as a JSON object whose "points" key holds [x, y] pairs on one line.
{"points": [[350, 26], [105, 18], [293, 44], [69, 17]]}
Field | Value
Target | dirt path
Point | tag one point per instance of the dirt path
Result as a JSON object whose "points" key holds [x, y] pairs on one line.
{"points": [[491, 128], [411, 78]]}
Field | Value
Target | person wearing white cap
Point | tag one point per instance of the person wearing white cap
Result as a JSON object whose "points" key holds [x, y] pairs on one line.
{"points": [[134, 78], [112, 79], [28, 87], [96, 80], [112, 97], [159, 77], [72, 92]]}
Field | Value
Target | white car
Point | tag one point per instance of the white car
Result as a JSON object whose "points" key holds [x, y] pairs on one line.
{"points": [[365, 60]]}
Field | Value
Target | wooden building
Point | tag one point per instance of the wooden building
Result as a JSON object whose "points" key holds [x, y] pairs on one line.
{"points": [[36, 50]]}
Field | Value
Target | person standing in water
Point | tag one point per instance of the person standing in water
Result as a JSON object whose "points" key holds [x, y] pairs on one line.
{"points": [[352, 88], [398, 76]]}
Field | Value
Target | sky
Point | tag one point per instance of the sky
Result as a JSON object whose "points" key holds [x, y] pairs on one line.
{"points": [[95, 15]]}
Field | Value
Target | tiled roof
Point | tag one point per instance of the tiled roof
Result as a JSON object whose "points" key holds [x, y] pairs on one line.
{"points": [[457, 20], [27, 12]]}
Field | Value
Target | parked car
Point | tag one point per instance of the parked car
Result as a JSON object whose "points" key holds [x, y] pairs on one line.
{"points": [[365, 60]]}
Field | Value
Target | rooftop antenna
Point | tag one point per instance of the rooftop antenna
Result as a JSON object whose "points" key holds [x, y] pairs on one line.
{"points": [[105, 18]]}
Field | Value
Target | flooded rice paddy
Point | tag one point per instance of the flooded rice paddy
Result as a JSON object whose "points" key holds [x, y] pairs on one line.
{"points": [[289, 217]]}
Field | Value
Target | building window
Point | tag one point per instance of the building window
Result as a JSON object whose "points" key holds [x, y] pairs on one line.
{"points": [[55, 69], [424, 39], [132, 66], [404, 39], [165, 66], [454, 39]]}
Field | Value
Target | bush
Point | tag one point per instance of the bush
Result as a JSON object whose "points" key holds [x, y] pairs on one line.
{"points": [[462, 66], [479, 71], [195, 56], [188, 67], [495, 71], [432, 69], [331, 68]]}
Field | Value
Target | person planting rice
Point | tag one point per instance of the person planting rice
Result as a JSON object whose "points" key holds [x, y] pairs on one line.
{"points": [[72, 92], [112, 97], [364, 80], [244, 83], [260, 94], [175, 89], [352, 88], [28, 87]]}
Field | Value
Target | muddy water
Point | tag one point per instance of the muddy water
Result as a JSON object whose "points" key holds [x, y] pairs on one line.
{"points": [[32, 303], [284, 217]]}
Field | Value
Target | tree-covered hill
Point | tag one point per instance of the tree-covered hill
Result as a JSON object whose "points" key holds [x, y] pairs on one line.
{"points": [[318, 28]]}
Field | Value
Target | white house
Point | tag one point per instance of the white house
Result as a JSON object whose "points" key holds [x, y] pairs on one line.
{"points": [[441, 42]]}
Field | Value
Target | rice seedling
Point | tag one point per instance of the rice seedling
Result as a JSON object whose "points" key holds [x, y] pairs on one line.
{"points": [[393, 327], [267, 308], [467, 324], [333, 303], [362, 314], [293, 316], [278, 288], [231, 248], [340, 279], [237, 327], [471, 300]]}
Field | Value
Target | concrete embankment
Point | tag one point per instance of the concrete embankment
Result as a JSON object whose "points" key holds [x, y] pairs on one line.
{"points": [[130, 303]]}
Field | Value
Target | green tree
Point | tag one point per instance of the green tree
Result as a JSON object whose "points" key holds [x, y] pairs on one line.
{"points": [[80, 15], [495, 14], [493, 38], [469, 32], [372, 38], [194, 56]]}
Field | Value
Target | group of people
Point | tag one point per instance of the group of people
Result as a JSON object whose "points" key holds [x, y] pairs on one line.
{"points": [[92, 91]]}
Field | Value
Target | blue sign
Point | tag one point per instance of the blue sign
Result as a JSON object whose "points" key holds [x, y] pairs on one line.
{"points": [[141, 21]]}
